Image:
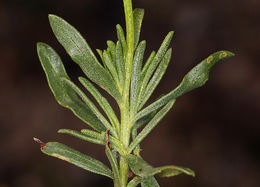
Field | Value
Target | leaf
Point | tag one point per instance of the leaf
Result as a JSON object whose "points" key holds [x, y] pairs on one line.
{"points": [[149, 182], [170, 171], [155, 61], [121, 38], [77, 158], [81, 136], [148, 62], [66, 96], [91, 105], [114, 165], [195, 78], [120, 63], [134, 182], [138, 18], [80, 52], [111, 67], [141, 168], [111, 48], [136, 73], [102, 101], [149, 127], [115, 143], [158, 74]]}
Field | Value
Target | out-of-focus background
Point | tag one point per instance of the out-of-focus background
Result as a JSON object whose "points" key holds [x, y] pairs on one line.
{"points": [[214, 130]]}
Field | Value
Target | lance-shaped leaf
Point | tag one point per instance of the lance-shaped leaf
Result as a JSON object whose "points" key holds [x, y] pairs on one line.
{"points": [[141, 168], [138, 19], [64, 94], [120, 63], [150, 126], [136, 73], [156, 78], [155, 61], [149, 182], [77, 158], [93, 139], [115, 143], [80, 52], [90, 105], [195, 78], [148, 62], [102, 101], [114, 165], [121, 38]]}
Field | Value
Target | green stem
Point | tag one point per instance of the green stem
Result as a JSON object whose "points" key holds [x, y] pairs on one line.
{"points": [[124, 107]]}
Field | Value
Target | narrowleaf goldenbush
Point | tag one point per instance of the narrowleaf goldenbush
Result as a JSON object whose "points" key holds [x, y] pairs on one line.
{"points": [[130, 80]]}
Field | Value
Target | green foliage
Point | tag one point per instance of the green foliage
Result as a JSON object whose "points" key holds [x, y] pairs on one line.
{"points": [[131, 82]]}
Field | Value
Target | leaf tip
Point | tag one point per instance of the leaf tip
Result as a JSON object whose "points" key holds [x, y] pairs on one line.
{"points": [[39, 142]]}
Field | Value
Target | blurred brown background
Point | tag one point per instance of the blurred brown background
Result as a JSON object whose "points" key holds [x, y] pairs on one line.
{"points": [[213, 130]]}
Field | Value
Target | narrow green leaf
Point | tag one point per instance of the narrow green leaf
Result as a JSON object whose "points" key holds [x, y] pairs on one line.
{"points": [[136, 73], [111, 67], [65, 95], [141, 168], [138, 18], [149, 127], [120, 63], [115, 143], [156, 60], [111, 48], [81, 136], [158, 74], [80, 52], [170, 171], [100, 53], [91, 105], [134, 182], [77, 158], [149, 182], [121, 38], [195, 78], [114, 165], [102, 101], [148, 62]]}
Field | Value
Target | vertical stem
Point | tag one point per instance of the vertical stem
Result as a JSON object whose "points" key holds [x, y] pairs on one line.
{"points": [[124, 107]]}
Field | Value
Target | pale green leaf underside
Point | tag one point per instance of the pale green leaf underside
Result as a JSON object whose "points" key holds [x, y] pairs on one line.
{"points": [[80, 52], [77, 158], [134, 182], [63, 93]]}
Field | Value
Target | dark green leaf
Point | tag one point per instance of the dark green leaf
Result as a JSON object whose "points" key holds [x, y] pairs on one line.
{"points": [[149, 182], [77, 158], [150, 126], [138, 18], [195, 78], [80, 52], [65, 95]]}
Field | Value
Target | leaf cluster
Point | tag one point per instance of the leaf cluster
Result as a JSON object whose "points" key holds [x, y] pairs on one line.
{"points": [[108, 72]]}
